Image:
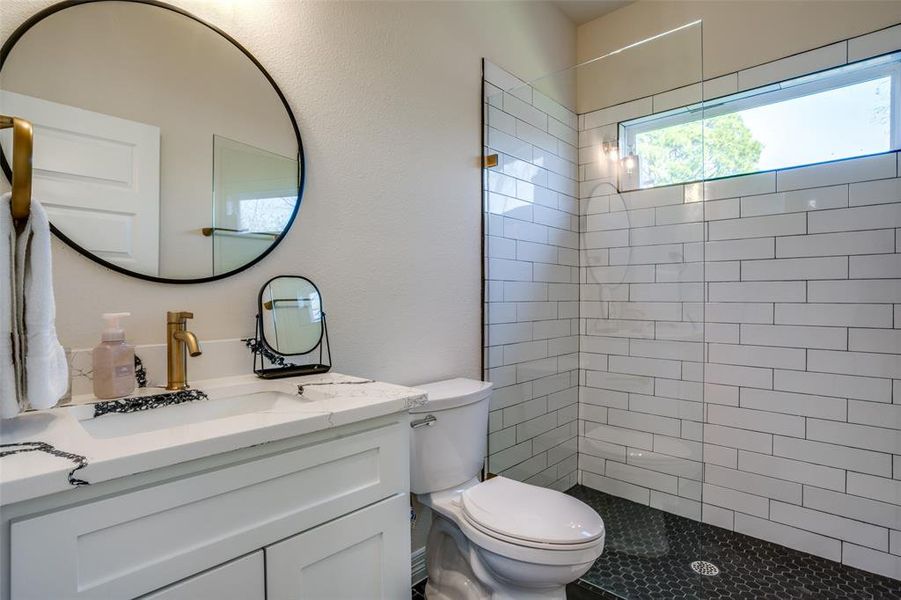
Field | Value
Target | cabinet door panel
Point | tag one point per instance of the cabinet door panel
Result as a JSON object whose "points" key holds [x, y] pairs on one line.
{"points": [[242, 579], [363, 555]]}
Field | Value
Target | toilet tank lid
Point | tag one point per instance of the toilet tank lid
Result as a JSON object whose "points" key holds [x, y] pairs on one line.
{"points": [[452, 393]]}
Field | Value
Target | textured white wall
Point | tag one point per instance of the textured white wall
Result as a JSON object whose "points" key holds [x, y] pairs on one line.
{"points": [[387, 97]]}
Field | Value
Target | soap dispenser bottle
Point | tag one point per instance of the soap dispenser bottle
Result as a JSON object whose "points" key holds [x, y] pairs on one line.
{"points": [[114, 361]]}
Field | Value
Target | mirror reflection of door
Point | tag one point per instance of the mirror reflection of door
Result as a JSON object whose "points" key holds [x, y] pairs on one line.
{"points": [[98, 174], [254, 193]]}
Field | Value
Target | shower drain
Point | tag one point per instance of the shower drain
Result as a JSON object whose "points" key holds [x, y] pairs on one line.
{"points": [[702, 567]]}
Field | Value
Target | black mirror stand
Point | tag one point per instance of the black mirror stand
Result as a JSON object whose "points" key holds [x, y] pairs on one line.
{"points": [[263, 352]]}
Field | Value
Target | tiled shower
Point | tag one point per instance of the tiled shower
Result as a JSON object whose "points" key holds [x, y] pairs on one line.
{"points": [[726, 350]]}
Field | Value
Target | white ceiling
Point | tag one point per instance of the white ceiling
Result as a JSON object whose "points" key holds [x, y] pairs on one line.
{"points": [[582, 11]]}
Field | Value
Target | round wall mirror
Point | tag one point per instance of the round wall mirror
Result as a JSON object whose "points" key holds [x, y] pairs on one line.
{"points": [[291, 315], [162, 149]]}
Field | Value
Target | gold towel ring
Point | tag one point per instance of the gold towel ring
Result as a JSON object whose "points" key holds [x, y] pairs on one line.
{"points": [[23, 143]]}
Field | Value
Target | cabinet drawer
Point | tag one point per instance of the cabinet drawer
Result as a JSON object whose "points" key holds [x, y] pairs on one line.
{"points": [[363, 555], [242, 579], [140, 541]]}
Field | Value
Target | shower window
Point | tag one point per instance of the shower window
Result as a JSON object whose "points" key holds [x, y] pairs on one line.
{"points": [[841, 113]]}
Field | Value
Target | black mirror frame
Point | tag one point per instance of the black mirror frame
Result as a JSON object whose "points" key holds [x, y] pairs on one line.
{"points": [[260, 308], [264, 350], [301, 167]]}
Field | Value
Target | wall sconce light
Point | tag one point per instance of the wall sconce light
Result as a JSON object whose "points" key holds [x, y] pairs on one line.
{"points": [[610, 150], [629, 163]]}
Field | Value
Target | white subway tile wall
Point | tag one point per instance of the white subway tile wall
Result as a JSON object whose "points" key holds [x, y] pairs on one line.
{"points": [[532, 284], [758, 317], [729, 352]]}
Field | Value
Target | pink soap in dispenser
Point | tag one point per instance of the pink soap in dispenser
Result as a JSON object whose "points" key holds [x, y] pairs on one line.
{"points": [[114, 361]]}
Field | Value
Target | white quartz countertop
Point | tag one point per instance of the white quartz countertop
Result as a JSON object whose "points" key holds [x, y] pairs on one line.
{"points": [[238, 412]]}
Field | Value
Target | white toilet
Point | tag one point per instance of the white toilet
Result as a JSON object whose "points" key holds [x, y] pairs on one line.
{"points": [[498, 539]]}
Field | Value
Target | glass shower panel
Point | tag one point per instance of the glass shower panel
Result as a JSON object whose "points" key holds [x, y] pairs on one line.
{"points": [[254, 196], [594, 306], [531, 279], [704, 351]]}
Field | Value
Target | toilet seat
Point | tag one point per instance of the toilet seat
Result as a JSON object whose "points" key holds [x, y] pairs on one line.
{"points": [[527, 544], [530, 516], [449, 504]]}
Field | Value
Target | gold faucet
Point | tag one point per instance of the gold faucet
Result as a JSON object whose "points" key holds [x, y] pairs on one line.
{"points": [[177, 337]]}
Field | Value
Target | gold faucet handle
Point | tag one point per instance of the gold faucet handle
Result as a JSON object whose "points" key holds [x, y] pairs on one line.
{"points": [[178, 317]]}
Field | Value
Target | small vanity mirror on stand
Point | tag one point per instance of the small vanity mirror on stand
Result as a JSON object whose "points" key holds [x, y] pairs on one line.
{"points": [[290, 324]]}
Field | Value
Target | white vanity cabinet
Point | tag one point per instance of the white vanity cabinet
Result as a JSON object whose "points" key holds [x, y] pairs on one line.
{"points": [[324, 515]]}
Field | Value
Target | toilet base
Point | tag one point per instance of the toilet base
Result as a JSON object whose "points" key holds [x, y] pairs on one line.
{"points": [[432, 593], [457, 571]]}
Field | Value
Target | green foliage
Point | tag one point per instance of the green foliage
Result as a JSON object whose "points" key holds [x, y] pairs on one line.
{"points": [[722, 146]]}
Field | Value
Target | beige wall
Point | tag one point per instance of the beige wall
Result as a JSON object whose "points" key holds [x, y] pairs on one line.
{"points": [[387, 97], [736, 34]]}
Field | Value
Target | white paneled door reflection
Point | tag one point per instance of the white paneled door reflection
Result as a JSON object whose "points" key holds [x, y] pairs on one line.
{"points": [[98, 177]]}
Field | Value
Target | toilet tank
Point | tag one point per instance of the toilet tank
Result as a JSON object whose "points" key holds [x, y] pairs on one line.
{"points": [[449, 435]]}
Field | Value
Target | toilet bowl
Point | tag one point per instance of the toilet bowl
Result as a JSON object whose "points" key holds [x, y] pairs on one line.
{"points": [[499, 539]]}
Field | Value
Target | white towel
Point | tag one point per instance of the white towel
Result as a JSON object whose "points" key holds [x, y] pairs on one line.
{"points": [[46, 370], [10, 393]]}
